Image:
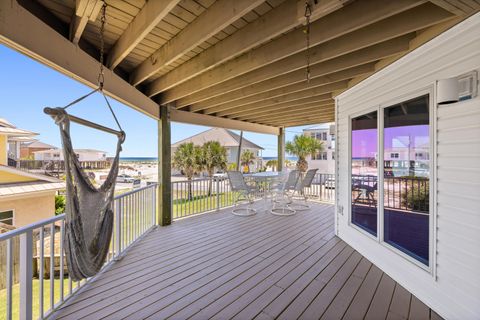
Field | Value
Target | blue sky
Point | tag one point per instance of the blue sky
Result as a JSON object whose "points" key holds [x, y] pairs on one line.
{"points": [[28, 86]]}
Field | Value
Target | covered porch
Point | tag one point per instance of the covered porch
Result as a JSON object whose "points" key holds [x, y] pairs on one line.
{"points": [[220, 266], [259, 66]]}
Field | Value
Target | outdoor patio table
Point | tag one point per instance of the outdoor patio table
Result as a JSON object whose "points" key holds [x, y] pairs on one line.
{"points": [[264, 182]]}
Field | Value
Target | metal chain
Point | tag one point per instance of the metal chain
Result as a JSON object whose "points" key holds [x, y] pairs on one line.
{"points": [[308, 13], [103, 19]]}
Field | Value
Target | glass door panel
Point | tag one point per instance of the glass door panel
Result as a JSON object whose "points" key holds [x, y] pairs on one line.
{"points": [[364, 172], [406, 150]]}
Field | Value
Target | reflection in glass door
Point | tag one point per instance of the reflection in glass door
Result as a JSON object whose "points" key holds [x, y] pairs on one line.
{"points": [[406, 152], [364, 172]]}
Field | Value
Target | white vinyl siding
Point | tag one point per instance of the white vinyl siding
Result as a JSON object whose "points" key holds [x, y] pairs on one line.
{"points": [[452, 286]]}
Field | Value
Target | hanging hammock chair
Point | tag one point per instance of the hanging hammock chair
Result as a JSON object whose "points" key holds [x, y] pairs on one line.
{"points": [[89, 211]]}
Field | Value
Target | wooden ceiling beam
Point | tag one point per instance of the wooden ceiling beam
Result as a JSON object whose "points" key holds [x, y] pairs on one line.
{"points": [[292, 111], [148, 18], [357, 29], [300, 86], [303, 121], [85, 10], [287, 98], [211, 121], [213, 96], [280, 121], [458, 8], [275, 22], [421, 38], [299, 104], [213, 20]]}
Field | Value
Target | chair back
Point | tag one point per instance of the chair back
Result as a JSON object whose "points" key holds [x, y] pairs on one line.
{"points": [[292, 180], [237, 183], [309, 176]]}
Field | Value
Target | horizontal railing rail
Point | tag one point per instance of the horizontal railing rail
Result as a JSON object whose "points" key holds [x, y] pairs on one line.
{"points": [[399, 193], [32, 258]]}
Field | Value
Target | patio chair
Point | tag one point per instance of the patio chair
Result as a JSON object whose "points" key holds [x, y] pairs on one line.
{"points": [[280, 195], [241, 193], [299, 192]]}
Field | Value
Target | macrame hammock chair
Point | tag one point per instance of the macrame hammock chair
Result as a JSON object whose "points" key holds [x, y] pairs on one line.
{"points": [[89, 211]]}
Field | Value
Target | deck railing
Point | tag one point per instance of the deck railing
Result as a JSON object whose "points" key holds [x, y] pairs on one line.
{"points": [[36, 277], [203, 195]]}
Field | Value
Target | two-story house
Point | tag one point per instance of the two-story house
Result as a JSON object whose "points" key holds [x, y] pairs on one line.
{"points": [[324, 160]]}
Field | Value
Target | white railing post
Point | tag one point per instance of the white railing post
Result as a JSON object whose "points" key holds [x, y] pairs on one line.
{"points": [[118, 228], [9, 278], [217, 187], [155, 207], [26, 275]]}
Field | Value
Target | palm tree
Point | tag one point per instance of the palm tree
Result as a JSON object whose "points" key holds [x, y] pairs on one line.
{"points": [[247, 158], [214, 156], [188, 159], [302, 146], [272, 164]]}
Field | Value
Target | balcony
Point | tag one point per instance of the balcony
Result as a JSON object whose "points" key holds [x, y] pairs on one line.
{"points": [[212, 265]]}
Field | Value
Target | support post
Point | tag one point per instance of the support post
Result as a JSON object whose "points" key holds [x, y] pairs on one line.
{"points": [[26, 275], [164, 168], [281, 149]]}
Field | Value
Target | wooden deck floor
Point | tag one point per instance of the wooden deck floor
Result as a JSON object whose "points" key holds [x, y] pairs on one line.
{"points": [[219, 266]]}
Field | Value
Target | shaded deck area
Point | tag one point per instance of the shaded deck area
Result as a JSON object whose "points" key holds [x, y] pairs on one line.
{"points": [[220, 266]]}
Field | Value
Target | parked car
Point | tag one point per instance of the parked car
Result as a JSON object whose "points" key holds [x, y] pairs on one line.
{"points": [[329, 183], [219, 176], [125, 178]]}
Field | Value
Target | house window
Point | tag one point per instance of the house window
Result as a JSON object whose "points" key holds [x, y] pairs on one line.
{"points": [[394, 155], [406, 191], [333, 155], [7, 217], [324, 136], [324, 156], [364, 172], [316, 156]]}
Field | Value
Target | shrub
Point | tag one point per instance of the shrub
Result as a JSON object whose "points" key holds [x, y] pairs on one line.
{"points": [[59, 204], [416, 197]]}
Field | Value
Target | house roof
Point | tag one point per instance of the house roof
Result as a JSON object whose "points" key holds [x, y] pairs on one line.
{"points": [[321, 126], [28, 174], [76, 150], [225, 137], [11, 189], [6, 128], [41, 183], [38, 144]]}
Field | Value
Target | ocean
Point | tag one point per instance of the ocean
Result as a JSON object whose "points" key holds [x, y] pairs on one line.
{"points": [[138, 159]]}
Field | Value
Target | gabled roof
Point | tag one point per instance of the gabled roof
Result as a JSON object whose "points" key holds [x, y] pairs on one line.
{"points": [[6, 128], [38, 144], [225, 137], [76, 150], [41, 183]]}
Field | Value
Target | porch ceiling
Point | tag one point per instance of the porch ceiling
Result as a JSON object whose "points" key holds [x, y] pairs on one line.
{"points": [[236, 63]]}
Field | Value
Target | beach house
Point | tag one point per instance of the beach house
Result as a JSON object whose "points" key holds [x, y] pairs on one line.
{"points": [[400, 239], [25, 197], [28, 148], [228, 139], [323, 160]]}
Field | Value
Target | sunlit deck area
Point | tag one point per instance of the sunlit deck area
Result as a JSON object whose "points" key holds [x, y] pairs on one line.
{"points": [[221, 266]]}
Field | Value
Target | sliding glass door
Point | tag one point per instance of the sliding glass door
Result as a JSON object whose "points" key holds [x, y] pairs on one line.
{"points": [[400, 145]]}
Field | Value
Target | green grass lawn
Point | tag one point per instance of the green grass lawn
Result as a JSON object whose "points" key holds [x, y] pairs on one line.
{"points": [[36, 302], [200, 203]]}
